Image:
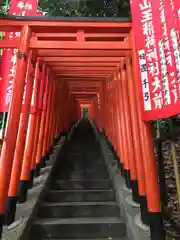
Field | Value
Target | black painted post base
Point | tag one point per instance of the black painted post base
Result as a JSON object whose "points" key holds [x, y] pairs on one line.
{"points": [[109, 144], [64, 134], [116, 157], [31, 179], [43, 161], [135, 191], [56, 140], [127, 178], [144, 210], [37, 170], [112, 148], [1, 224], [10, 214], [118, 162], [23, 190], [156, 226], [50, 150], [47, 156], [122, 168]]}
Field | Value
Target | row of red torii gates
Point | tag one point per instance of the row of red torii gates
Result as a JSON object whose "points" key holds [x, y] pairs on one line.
{"points": [[67, 65]]}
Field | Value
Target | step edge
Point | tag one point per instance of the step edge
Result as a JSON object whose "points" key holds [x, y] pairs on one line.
{"points": [[77, 221], [98, 180], [47, 204], [79, 190]]}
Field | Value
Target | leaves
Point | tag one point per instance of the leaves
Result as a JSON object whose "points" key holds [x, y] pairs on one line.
{"points": [[86, 8], [80, 8], [3, 7]]}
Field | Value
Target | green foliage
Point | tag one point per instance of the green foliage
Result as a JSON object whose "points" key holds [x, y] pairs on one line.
{"points": [[85, 112], [80, 8], [86, 8], [3, 7]]}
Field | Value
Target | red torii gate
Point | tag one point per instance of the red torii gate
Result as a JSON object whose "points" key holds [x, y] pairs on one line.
{"points": [[71, 64]]}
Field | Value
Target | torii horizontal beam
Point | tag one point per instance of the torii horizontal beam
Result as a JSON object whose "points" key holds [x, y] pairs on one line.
{"points": [[85, 105], [86, 35], [83, 92], [82, 97], [83, 53], [81, 78], [81, 101], [35, 44], [82, 64], [83, 59], [82, 86], [84, 100], [89, 85], [81, 83], [85, 69], [83, 74], [83, 89], [84, 82], [55, 26]]}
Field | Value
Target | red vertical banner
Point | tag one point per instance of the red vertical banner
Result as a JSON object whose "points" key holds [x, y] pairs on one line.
{"points": [[172, 42], [8, 73], [143, 30], [173, 23], [159, 83], [8, 66], [164, 18]]}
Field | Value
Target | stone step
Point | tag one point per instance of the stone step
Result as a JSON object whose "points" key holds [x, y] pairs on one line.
{"points": [[79, 202], [78, 209], [109, 238], [82, 175], [82, 228], [81, 185], [79, 195]]}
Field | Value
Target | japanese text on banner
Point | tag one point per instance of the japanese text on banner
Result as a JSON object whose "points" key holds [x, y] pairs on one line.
{"points": [[157, 51]]}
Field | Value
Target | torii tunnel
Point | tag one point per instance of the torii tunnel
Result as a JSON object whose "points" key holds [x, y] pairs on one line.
{"points": [[66, 65]]}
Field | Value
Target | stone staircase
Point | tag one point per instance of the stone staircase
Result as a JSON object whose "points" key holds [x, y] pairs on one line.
{"points": [[79, 202]]}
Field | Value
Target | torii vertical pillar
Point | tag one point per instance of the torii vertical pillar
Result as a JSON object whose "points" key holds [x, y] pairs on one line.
{"points": [[9, 143], [150, 168]]}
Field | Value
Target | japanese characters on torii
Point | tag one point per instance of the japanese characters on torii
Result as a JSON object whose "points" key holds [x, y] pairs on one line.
{"points": [[21, 9], [24, 7], [11, 76]]}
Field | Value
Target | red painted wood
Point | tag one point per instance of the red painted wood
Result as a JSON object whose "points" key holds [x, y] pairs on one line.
{"points": [[15, 43], [9, 143], [57, 26], [83, 58], [35, 44], [105, 54]]}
